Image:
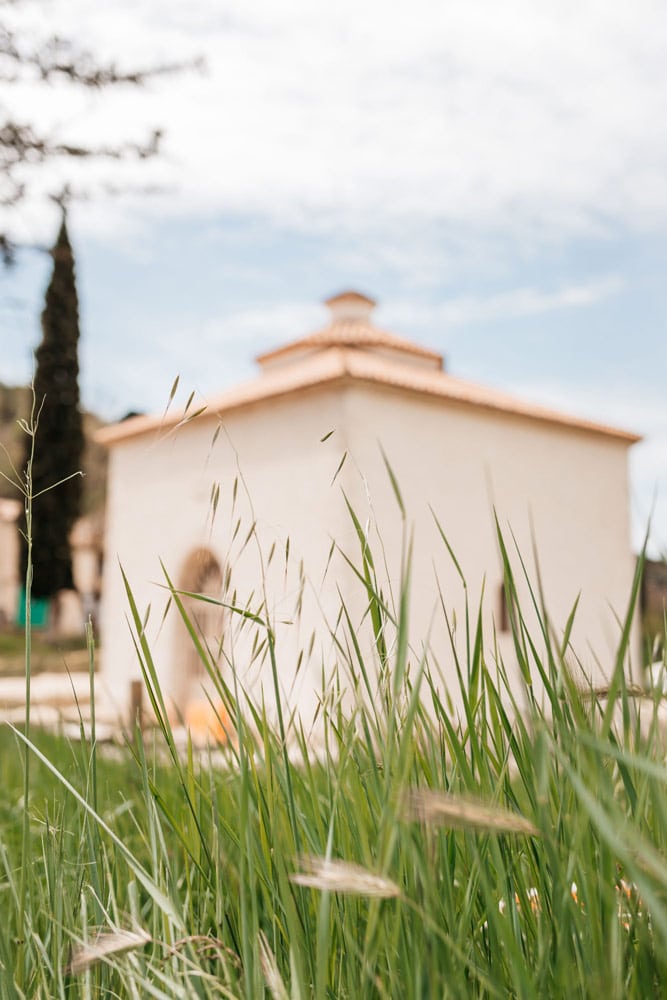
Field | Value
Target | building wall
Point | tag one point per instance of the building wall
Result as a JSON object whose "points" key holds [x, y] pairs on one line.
{"points": [[273, 472], [9, 559], [567, 488], [557, 492]]}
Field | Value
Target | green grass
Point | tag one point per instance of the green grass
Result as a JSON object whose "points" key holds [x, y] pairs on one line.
{"points": [[53, 655], [515, 848], [417, 855]]}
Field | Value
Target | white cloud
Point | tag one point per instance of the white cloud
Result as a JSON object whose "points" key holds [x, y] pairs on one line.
{"points": [[509, 304], [229, 344], [540, 118], [381, 127]]}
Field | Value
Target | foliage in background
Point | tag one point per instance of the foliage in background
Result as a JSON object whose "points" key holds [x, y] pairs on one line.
{"points": [[59, 655], [653, 604], [60, 440], [15, 402]]}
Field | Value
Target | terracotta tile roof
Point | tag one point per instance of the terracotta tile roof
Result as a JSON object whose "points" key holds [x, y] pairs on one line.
{"points": [[351, 333], [335, 364]]}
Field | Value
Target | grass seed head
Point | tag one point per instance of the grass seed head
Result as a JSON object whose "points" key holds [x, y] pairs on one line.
{"points": [[459, 812], [272, 978], [105, 945], [330, 875]]}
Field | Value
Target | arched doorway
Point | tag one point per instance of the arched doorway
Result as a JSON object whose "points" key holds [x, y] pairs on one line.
{"points": [[202, 575], [207, 720]]}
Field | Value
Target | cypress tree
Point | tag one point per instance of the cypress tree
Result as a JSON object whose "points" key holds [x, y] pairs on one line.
{"points": [[59, 440]]}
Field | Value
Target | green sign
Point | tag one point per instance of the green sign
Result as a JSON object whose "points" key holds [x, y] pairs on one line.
{"points": [[39, 611]]}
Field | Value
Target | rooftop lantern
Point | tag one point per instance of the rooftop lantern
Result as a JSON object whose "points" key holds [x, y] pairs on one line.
{"points": [[350, 306]]}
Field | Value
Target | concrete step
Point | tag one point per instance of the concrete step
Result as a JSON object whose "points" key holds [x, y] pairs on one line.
{"points": [[55, 690]]}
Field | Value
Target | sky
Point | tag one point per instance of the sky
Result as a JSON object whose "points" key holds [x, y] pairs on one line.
{"points": [[492, 172]]}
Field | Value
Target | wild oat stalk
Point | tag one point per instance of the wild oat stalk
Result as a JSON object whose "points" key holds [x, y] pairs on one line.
{"points": [[25, 486], [29, 428]]}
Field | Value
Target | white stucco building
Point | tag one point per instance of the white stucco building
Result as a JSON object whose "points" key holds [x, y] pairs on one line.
{"points": [[73, 607], [9, 559], [244, 500]]}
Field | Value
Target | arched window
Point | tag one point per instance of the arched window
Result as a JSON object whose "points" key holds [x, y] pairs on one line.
{"points": [[202, 574]]}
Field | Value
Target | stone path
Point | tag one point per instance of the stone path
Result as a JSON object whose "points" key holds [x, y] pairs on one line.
{"points": [[60, 701]]}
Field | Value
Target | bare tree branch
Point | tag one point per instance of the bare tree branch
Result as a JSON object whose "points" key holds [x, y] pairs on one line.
{"points": [[24, 58], [59, 57]]}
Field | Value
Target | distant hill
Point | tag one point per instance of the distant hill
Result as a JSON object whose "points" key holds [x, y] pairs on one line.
{"points": [[15, 404]]}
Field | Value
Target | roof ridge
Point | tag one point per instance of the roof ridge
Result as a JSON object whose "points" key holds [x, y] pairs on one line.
{"points": [[343, 362], [350, 332]]}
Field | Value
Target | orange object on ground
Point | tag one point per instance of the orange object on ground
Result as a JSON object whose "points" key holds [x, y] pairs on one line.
{"points": [[207, 722]]}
